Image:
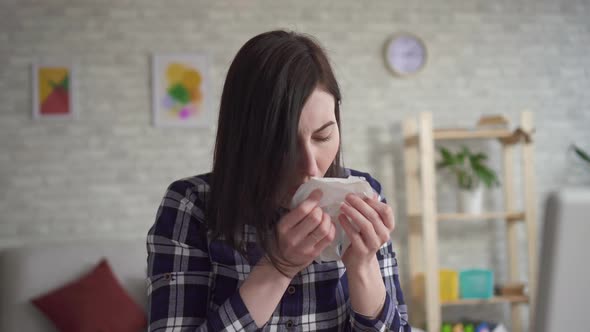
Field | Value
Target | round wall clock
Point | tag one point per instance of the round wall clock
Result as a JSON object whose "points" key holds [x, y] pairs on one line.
{"points": [[405, 54]]}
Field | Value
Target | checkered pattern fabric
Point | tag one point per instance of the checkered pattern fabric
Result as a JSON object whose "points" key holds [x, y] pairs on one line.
{"points": [[193, 281]]}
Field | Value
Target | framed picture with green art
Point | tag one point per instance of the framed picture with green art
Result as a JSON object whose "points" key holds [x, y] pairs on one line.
{"points": [[53, 91], [181, 91]]}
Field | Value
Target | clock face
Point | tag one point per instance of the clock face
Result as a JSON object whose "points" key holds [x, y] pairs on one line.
{"points": [[405, 54]]}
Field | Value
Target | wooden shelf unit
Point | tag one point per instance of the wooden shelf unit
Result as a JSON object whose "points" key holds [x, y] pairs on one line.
{"points": [[423, 217], [495, 299], [505, 135], [508, 216]]}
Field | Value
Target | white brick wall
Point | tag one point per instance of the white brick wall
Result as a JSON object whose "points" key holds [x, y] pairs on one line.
{"points": [[105, 173]]}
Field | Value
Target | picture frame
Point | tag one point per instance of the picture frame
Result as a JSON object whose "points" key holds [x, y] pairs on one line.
{"points": [[54, 91], [181, 91]]}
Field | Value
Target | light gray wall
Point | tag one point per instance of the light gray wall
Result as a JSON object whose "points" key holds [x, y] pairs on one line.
{"points": [[104, 174]]}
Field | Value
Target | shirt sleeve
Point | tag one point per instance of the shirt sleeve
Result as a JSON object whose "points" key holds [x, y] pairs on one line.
{"points": [[179, 269], [394, 314]]}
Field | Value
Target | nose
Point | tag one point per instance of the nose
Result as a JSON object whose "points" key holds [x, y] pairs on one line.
{"points": [[307, 161]]}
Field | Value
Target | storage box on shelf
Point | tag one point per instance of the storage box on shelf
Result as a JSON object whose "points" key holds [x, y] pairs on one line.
{"points": [[449, 285], [476, 284]]}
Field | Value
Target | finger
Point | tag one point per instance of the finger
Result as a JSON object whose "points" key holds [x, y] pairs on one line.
{"points": [[302, 210], [367, 207], [320, 246], [373, 195], [385, 212], [362, 205], [358, 219], [355, 238], [307, 225], [366, 228], [319, 233]]}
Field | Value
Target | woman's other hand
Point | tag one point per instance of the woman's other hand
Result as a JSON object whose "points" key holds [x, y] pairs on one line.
{"points": [[372, 222], [302, 234]]}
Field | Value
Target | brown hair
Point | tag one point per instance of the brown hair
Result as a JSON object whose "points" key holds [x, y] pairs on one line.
{"points": [[256, 147]]}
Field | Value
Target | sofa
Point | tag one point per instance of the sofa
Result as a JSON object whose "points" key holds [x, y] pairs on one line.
{"points": [[29, 271]]}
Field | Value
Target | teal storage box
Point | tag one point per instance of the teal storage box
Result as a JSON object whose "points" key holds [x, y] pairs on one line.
{"points": [[476, 284]]}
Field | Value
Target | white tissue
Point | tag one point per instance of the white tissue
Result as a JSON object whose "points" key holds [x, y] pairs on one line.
{"points": [[334, 193]]}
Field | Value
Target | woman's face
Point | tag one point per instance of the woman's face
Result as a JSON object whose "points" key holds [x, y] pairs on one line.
{"points": [[318, 138]]}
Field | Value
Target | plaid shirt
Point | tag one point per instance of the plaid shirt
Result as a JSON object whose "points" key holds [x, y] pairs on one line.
{"points": [[193, 281]]}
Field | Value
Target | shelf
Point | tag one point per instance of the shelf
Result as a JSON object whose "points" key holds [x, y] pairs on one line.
{"points": [[508, 216], [455, 134], [504, 135], [495, 299]]}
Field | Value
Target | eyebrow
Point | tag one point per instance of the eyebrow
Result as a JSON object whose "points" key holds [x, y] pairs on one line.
{"points": [[324, 127]]}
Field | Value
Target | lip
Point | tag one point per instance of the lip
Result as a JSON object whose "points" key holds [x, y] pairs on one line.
{"points": [[293, 190]]}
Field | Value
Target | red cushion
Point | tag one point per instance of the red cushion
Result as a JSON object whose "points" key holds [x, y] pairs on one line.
{"points": [[95, 302]]}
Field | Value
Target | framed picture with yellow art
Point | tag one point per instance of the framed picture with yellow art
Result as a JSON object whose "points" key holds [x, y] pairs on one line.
{"points": [[181, 91], [54, 91]]}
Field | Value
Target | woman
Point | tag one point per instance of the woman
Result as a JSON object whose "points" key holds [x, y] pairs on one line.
{"points": [[225, 252]]}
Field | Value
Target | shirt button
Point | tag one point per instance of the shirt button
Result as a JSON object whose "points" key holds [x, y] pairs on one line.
{"points": [[289, 324], [291, 290], [167, 276]]}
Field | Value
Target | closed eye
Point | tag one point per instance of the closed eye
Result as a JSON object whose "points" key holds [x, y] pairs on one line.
{"points": [[323, 139]]}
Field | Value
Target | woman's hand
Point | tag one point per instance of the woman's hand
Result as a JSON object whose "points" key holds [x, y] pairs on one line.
{"points": [[369, 228], [372, 222], [302, 234]]}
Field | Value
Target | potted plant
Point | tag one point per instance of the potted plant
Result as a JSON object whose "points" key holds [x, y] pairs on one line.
{"points": [[471, 173]]}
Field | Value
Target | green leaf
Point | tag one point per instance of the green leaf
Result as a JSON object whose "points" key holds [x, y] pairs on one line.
{"points": [[480, 157], [485, 174], [447, 155], [582, 154], [447, 158], [469, 168], [485, 177], [442, 164]]}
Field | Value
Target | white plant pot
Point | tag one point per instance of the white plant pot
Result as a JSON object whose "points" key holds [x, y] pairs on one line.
{"points": [[471, 201]]}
